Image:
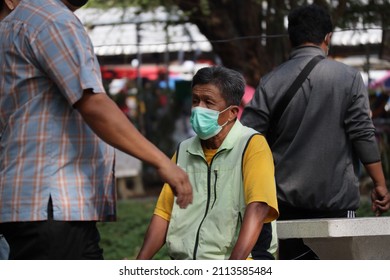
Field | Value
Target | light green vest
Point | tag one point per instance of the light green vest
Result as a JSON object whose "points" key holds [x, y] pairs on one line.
{"points": [[208, 228]]}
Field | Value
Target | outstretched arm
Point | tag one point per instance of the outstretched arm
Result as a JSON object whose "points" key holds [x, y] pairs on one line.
{"points": [[112, 126], [252, 224], [154, 238]]}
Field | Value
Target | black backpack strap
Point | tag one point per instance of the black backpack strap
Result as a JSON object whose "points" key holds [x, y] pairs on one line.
{"points": [[290, 93]]}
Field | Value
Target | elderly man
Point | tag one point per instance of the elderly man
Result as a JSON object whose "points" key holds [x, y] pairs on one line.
{"points": [[231, 170]]}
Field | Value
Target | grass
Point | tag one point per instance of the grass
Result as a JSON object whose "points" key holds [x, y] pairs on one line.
{"points": [[123, 239]]}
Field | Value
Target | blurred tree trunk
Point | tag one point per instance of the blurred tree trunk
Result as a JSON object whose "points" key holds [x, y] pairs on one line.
{"points": [[220, 20], [244, 21]]}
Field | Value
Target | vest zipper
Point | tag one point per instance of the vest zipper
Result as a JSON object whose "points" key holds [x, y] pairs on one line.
{"points": [[207, 205], [215, 187]]}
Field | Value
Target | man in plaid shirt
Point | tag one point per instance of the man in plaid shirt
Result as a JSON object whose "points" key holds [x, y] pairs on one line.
{"points": [[57, 127]]}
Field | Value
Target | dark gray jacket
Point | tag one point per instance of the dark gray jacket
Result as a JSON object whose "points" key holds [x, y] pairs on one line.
{"points": [[323, 132]]}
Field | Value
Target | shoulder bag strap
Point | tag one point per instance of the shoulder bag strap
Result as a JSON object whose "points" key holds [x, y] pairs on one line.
{"points": [[281, 106]]}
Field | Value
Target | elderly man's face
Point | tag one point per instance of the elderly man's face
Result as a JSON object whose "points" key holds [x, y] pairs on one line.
{"points": [[208, 96]]}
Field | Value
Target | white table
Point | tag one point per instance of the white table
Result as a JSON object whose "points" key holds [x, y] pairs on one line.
{"points": [[342, 239]]}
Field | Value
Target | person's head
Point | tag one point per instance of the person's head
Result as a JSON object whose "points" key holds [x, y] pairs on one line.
{"points": [[216, 95], [230, 83], [310, 24]]}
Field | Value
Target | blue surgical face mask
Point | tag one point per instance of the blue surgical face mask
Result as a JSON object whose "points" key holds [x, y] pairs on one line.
{"points": [[204, 121]]}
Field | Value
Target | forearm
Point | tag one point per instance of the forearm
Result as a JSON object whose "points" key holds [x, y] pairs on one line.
{"points": [[251, 227], [380, 197], [112, 126], [375, 171], [154, 238]]}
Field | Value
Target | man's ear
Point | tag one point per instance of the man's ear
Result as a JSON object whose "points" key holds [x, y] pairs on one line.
{"points": [[327, 38], [233, 113]]}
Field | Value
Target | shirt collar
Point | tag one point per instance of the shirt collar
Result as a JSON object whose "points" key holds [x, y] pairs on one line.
{"points": [[305, 51]]}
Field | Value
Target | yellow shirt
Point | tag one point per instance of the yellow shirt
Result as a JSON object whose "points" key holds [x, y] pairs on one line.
{"points": [[258, 174]]}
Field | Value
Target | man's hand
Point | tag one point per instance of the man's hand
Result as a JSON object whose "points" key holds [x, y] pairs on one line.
{"points": [[178, 181], [380, 199]]}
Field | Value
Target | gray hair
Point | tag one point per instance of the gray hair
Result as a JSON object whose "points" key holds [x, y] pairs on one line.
{"points": [[230, 83]]}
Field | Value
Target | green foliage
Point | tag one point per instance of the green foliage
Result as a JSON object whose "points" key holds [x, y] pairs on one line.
{"points": [[205, 7], [359, 12], [124, 238]]}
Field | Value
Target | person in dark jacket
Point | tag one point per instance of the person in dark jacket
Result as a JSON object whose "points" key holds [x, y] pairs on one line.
{"points": [[323, 133]]}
